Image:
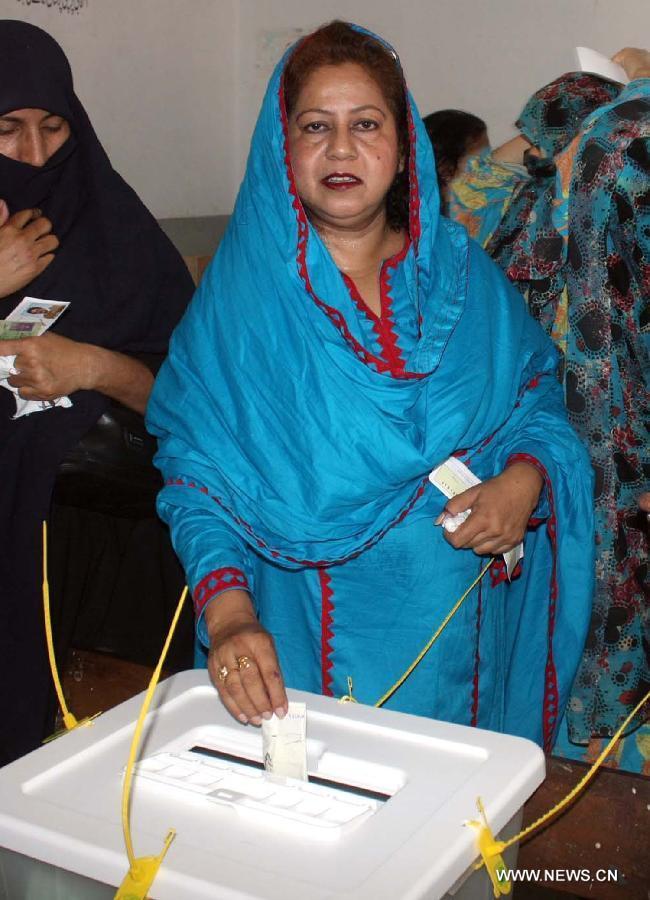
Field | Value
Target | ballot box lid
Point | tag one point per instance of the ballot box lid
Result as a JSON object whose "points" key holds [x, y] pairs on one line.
{"points": [[61, 804]]}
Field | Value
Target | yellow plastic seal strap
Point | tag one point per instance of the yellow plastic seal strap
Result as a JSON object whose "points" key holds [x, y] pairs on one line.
{"points": [[349, 697], [69, 720], [491, 850], [141, 875], [142, 870], [584, 781], [491, 854], [434, 637]]}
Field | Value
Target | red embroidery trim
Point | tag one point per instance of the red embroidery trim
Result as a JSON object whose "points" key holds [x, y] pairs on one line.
{"points": [[321, 563], [414, 188], [335, 316], [550, 707], [217, 581], [327, 632], [498, 572], [388, 334], [360, 303], [384, 326], [477, 658]]}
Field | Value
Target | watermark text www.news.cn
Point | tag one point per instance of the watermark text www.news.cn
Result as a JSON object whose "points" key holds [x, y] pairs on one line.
{"points": [[556, 876]]}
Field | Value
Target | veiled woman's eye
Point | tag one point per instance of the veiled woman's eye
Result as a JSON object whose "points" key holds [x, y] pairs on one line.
{"points": [[366, 125], [53, 124], [315, 127]]}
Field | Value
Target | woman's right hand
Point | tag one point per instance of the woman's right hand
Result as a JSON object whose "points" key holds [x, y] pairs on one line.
{"points": [[242, 661], [27, 247]]}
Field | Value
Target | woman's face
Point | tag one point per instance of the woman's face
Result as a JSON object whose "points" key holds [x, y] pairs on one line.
{"points": [[32, 135], [344, 146]]}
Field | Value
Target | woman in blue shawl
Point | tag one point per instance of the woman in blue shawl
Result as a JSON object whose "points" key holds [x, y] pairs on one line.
{"points": [[344, 342]]}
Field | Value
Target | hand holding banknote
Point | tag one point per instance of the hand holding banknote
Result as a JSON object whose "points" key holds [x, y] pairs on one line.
{"points": [[50, 366]]}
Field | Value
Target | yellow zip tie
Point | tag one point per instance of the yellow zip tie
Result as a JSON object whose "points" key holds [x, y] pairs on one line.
{"points": [[583, 781], [69, 720], [349, 698], [490, 850], [142, 873], [434, 637], [143, 869]]}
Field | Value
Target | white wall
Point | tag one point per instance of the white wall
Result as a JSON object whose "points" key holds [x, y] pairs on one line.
{"points": [[173, 86], [485, 56]]}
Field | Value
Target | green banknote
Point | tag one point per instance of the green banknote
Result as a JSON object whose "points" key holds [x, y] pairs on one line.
{"points": [[13, 330]]}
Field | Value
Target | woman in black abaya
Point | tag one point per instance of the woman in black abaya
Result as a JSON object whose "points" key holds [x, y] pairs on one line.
{"points": [[70, 230]]}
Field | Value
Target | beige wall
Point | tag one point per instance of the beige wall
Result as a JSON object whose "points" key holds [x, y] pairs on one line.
{"points": [[174, 86]]}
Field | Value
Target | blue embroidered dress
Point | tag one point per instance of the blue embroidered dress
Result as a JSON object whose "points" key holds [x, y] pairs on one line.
{"points": [[297, 432]]}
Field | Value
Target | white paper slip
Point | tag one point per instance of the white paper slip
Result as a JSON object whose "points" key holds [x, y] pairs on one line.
{"points": [[34, 310], [453, 523], [453, 477], [598, 64], [512, 557], [284, 743]]}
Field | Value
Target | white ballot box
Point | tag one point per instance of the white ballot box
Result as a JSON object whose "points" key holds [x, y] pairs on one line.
{"points": [[382, 815]]}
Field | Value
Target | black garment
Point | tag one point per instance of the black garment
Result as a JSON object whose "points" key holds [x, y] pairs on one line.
{"points": [[127, 287], [114, 587]]}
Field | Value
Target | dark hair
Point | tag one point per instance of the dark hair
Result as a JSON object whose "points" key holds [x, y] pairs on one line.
{"points": [[452, 133], [339, 43]]}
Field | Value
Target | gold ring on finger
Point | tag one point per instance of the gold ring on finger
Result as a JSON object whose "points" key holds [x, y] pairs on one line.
{"points": [[243, 662], [222, 673]]}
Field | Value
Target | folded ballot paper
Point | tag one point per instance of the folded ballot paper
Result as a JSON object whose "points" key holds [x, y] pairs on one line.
{"points": [[284, 743], [31, 318], [598, 64]]}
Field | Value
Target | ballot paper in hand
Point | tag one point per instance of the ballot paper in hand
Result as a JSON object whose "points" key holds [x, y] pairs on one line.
{"points": [[285, 743], [30, 318], [37, 312], [452, 478]]}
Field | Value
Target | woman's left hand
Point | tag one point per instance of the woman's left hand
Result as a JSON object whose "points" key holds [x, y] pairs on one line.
{"points": [[50, 366], [501, 509]]}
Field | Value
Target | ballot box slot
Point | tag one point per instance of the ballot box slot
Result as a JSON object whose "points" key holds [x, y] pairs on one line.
{"points": [[367, 793]]}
